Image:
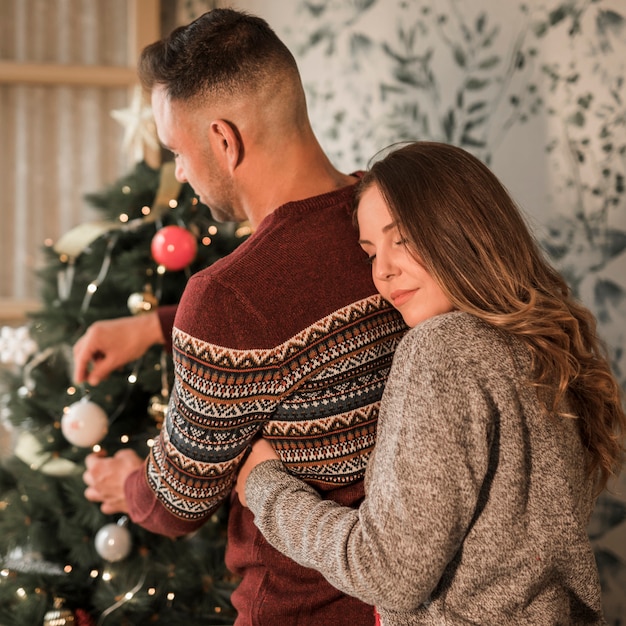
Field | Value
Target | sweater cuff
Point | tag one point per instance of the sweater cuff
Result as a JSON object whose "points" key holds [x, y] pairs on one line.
{"points": [[266, 476]]}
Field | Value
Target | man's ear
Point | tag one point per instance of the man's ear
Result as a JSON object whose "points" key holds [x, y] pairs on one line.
{"points": [[227, 143]]}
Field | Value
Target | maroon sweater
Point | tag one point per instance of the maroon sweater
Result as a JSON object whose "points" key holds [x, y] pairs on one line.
{"points": [[285, 337]]}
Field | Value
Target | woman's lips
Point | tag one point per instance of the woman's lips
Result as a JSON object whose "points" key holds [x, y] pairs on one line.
{"points": [[400, 296]]}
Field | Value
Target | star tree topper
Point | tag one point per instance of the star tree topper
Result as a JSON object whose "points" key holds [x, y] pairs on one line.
{"points": [[140, 131]]}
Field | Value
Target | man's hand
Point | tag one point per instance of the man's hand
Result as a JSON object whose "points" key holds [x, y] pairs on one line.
{"points": [[109, 344], [105, 478], [262, 450]]}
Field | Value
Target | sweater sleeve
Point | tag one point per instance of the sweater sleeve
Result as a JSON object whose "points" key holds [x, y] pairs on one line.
{"points": [[422, 486], [217, 406]]}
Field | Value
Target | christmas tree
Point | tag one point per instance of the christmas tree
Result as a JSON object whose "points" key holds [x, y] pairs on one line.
{"points": [[61, 560]]}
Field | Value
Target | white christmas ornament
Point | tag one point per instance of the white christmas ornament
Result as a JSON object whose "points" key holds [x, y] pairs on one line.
{"points": [[84, 424], [113, 541]]}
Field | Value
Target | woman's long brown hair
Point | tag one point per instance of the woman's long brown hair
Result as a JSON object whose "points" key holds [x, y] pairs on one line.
{"points": [[472, 238]]}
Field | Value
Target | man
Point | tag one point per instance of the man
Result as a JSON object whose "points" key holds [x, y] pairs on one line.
{"points": [[284, 338]]}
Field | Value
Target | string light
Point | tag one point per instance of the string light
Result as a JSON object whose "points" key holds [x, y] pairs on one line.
{"points": [[23, 392], [243, 231], [125, 598]]}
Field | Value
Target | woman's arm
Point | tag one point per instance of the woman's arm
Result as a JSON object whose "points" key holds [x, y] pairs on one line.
{"points": [[423, 484]]}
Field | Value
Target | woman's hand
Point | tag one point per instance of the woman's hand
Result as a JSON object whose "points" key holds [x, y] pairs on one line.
{"points": [[262, 450]]}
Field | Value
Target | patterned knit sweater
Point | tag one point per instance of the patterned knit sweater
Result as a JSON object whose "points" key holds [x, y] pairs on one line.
{"points": [[476, 504], [285, 337]]}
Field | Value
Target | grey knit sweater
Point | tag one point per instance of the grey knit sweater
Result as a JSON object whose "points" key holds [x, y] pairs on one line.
{"points": [[476, 503]]}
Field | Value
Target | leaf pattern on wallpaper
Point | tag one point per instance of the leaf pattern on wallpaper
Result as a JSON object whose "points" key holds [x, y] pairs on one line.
{"points": [[580, 247], [431, 49], [588, 150]]}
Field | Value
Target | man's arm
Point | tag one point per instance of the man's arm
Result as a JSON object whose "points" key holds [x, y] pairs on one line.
{"points": [[218, 405]]}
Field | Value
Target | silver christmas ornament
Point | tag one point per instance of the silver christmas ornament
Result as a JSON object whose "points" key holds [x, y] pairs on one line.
{"points": [[144, 302]]}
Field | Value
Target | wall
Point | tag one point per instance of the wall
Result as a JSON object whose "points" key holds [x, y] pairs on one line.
{"points": [[535, 88]]}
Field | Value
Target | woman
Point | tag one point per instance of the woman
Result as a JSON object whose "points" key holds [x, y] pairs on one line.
{"points": [[499, 425]]}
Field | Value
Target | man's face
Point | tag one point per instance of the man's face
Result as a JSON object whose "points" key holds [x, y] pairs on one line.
{"points": [[185, 131]]}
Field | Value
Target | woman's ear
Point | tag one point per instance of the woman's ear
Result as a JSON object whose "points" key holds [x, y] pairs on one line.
{"points": [[227, 143]]}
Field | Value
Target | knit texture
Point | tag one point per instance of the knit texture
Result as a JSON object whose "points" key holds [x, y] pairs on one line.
{"points": [[476, 503], [285, 337]]}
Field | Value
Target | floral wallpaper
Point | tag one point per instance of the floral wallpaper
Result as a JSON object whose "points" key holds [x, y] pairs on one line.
{"points": [[535, 89]]}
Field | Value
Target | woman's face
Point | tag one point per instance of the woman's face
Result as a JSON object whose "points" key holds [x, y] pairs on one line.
{"points": [[398, 276]]}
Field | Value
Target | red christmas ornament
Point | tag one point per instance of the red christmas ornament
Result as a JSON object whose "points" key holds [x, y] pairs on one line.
{"points": [[173, 247]]}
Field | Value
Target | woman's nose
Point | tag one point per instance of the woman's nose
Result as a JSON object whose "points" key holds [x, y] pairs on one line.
{"points": [[383, 268]]}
